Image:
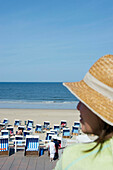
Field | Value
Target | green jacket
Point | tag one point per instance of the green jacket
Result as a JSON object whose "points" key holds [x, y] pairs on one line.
{"points": [[74, 157]]}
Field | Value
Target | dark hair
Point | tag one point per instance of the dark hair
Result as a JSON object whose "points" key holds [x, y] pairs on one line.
{"points": [[106, 134]]}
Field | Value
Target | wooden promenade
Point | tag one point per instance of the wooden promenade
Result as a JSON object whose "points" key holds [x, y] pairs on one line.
{"points": [[18, 161]]}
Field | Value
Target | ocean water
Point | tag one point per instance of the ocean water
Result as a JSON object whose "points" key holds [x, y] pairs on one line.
{"points": [[36, 96]]}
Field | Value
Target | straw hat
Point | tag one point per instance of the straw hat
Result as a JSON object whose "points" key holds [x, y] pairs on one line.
{"points": [[96, 89]]}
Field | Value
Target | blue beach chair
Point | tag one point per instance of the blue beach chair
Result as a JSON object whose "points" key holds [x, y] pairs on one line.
{"points": [[30, 123], [49, 133], [75, 130], [32, 145], [66, 133], [77, 124], [47, 125], [38, 128], [2, 126], [26, 132], [5, 133], [11, 130], [63, 123], [19, 140], [17, 122], [6, 121], [4, 145], [57, 127], [52, 137], [29, 128]]}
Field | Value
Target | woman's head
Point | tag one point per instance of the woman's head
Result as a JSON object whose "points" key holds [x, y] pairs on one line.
{"points": [[95, 91], [90, 123]]}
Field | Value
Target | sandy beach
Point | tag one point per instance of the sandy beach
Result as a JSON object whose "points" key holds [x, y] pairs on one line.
{"points": [[40, 115]]}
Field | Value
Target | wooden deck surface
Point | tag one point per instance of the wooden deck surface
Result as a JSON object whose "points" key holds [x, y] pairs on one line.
{"points": [[18, 161]]}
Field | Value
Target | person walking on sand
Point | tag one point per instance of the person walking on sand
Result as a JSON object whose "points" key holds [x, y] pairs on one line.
{"points": [[95, 93], [51, 148]]}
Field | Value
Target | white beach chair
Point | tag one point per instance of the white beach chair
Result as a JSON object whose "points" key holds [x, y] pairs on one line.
{"points": [[6, 121], [49, 133], [63, 123], [30, 123], [19, 142], [75, 130], [26, 132], [17, 122], [38, 128], [66, 133], [4, 145], [32, 145], [5, 133], [57, 127], [11, 130], [77, 124], [47, 125]]}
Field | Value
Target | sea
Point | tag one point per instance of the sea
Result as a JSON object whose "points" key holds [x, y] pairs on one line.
{"points": [[36, 95]]}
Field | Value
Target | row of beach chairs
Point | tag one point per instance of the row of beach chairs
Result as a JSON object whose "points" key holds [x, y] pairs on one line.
{"points": [[39, 128], [30, 144], [28, 141]]}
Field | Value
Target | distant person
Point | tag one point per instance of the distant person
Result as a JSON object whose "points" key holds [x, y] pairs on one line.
{"points": [[51, 147], [56, 148], [95, 93]]}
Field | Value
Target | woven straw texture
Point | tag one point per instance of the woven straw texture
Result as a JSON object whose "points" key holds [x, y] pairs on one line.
{"points": [[99, 104]]}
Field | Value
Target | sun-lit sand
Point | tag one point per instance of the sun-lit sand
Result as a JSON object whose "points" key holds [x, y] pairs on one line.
{"points": [[40, 115]]}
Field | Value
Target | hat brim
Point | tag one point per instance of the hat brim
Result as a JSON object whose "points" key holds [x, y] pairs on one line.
{"points": [[96, 102]]}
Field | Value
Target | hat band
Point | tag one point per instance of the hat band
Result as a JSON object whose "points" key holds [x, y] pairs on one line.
{"points": [[98, 86]]}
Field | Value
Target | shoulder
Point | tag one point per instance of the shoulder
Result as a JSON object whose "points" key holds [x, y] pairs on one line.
{"points": [[74, 156], [79, 147]]}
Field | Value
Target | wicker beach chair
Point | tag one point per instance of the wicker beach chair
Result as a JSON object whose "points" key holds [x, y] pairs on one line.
{"points": [[38, 128], [57, 127], [30, 123], [75, 130], [66, 133], [47, 125], [6, 121], [5, 133], [49, 133], [32, 145], [50, 136], [26, 132], [2, 126], [63, 123], [17, 122], [11, 130], [19, 142], [4, 145], [77, 124]]}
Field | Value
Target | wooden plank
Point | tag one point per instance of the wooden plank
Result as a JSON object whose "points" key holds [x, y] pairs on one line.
{"points": [[2, 161], [8, 163], [21, 162], [24, 163], [40, 163], [32, 163], [44, 163], [16, 163]]}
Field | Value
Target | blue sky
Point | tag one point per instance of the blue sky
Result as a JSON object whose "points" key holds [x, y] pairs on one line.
{"points": [[53, 40]]}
